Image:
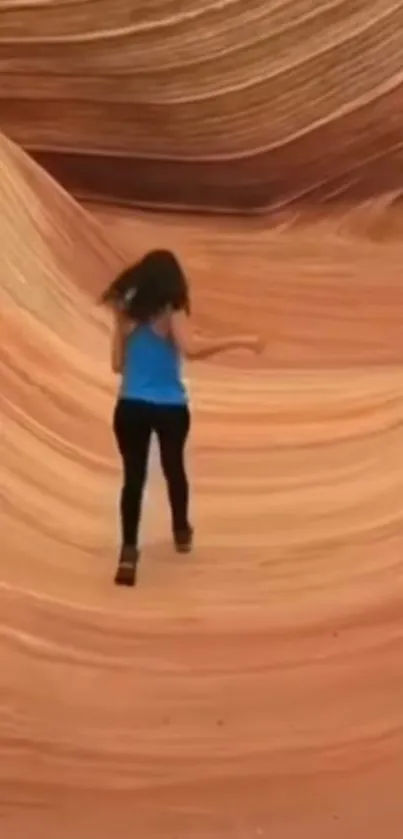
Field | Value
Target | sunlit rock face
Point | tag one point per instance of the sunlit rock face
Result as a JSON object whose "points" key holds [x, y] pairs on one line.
{"points": [[253, 689], [213, 105], [266, 668]]}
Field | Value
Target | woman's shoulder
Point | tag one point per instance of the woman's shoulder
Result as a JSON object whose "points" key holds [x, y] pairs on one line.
{"points": [[129, 327]]}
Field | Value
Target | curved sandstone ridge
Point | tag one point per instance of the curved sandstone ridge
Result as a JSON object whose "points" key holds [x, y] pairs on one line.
{"points": [[253, 689], [217, 104]]}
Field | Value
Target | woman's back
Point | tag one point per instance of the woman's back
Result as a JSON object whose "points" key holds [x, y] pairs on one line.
{"points": [[153, 294], [152, 369]]}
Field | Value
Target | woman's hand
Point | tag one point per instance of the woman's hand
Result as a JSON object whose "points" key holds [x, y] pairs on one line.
{"points": [[256, 343], [193, 345]]}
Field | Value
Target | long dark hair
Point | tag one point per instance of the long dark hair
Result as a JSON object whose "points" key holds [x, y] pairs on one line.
{"points": [[149, 286]]}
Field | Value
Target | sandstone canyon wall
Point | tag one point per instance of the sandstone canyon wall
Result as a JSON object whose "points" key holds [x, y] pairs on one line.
{"points": [[254, 689], [213, 105]]}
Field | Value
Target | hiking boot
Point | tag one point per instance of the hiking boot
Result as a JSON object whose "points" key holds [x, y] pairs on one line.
{"points": [[126, 570]]}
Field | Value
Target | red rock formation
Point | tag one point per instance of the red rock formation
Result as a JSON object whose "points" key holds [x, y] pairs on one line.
{"points": [[226, 105], [255, 689]]}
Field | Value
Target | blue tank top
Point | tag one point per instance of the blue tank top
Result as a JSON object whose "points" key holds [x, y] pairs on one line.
{"points": [[152, 369]]}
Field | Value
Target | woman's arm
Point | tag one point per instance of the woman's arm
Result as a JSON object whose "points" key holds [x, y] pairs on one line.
{"points": [[195, 347], [121, 330]]}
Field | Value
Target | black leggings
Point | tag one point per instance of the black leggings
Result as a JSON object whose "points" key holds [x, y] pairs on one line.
{"points": [[133, 423]]}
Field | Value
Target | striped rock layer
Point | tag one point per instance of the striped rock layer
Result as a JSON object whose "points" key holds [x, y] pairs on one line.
{"points": [[208, 104], [253, 689]]}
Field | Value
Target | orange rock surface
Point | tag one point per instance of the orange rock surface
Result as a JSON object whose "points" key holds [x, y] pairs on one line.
{"points": [[255, 688], [231, 104]]}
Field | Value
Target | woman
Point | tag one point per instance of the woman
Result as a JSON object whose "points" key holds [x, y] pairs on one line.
{"points": [[152, 333]]}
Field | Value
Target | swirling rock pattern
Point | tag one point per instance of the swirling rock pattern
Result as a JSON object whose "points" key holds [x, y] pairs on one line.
{"points": [[219, 104], [255, 689]]}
